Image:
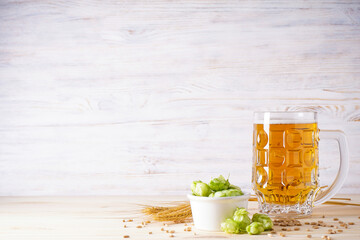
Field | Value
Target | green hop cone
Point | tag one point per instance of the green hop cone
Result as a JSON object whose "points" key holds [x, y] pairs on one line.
{"points": [[241, 216], [230, 226], [227, 193], [234, 192], [264, 219], [219, 184], [240, 211], [193, 185], [235, 187], [198, 188], [255, 228]]}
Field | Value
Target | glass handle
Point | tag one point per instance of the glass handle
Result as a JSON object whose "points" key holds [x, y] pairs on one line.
{"points": [[340, 137]]}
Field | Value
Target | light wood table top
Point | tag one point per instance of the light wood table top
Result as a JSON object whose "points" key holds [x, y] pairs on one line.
{"points": [[102, 218]]}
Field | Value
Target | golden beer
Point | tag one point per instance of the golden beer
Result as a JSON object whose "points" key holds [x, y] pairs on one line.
{"points": [[285, 162]]}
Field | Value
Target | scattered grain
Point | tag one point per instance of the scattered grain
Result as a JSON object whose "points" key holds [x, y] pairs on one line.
{"points": [[124, 220], [313, 223], [167, 231], [308, 230], [336, 219], [284, 229], [130, 220], [308, 236], [315, 227], [171, 235], [172, 231], [273, 232], [150, 233], [307, 223], [162, 229], [139, 226], [340, 230], [282, 235], [126, 236], [351, 223], [147, 221], [296, 229]]}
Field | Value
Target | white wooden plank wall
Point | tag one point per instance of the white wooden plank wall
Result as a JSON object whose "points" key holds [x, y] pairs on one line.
{"points": [[142, 97]]}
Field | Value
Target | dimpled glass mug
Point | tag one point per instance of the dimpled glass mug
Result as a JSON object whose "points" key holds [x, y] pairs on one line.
{"points": [[285, 172]]}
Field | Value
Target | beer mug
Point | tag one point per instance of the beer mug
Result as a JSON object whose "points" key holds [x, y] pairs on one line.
{"points": [[285, 172]]}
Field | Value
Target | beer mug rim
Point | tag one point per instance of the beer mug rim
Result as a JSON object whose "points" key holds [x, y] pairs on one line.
{"points": [[284, 117]]}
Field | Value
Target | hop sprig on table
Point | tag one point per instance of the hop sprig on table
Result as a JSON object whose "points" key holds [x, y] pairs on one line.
{"points": [[241, 223]]}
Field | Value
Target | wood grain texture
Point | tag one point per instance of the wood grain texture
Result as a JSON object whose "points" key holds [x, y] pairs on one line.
{"points": [[102, 218], [142, 97]]}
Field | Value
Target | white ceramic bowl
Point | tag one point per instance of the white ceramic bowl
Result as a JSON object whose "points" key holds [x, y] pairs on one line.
{"points": [[208, 212]]}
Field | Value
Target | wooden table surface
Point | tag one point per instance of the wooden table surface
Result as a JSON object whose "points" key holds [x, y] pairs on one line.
{"points": [[102, 218]]}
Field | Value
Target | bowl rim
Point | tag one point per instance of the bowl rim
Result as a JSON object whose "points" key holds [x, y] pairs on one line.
{"points": [[246, 196]]}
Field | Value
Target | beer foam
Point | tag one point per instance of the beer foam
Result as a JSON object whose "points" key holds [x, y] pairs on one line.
{"points": [[283, 121], [285, 117]]}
